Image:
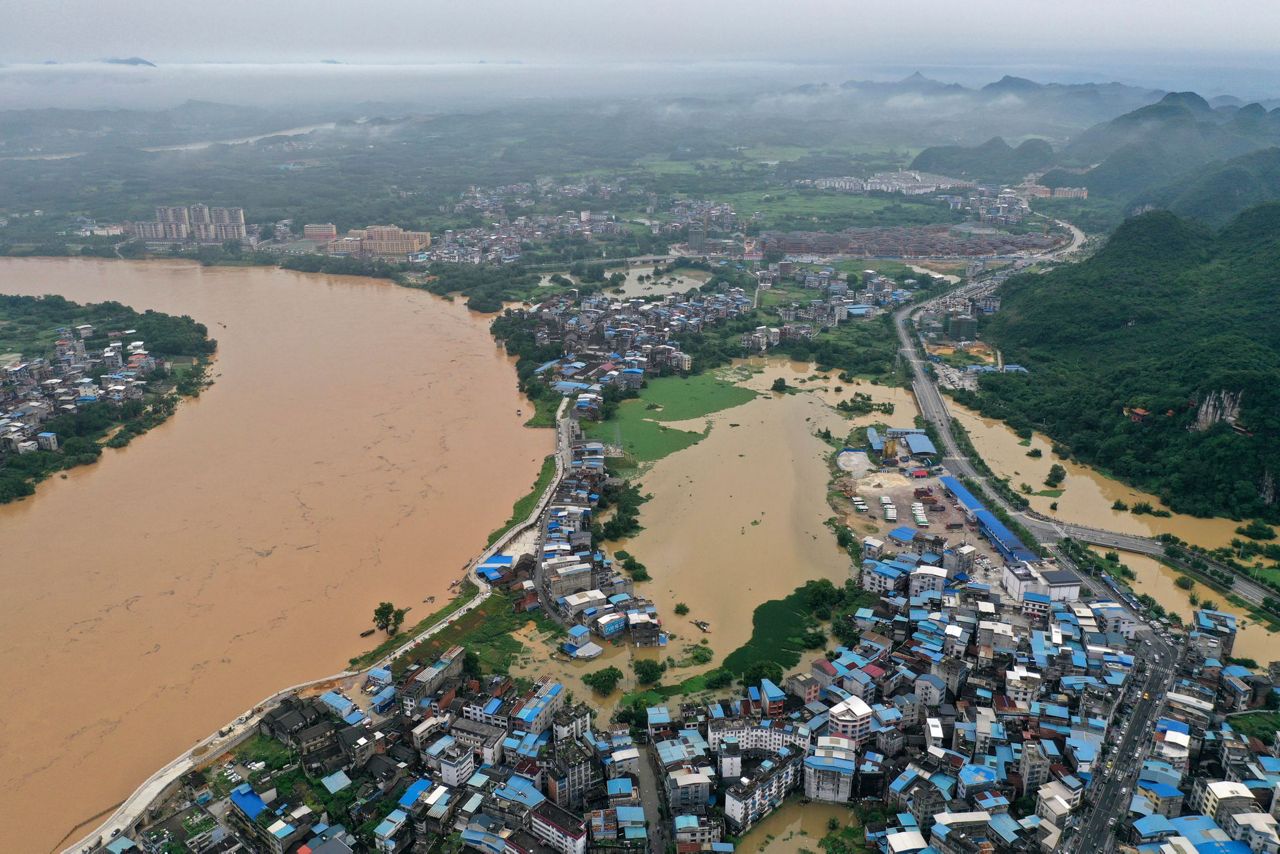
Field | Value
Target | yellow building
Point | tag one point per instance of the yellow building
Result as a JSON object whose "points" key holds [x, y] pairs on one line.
{"points": [[381, 241]]}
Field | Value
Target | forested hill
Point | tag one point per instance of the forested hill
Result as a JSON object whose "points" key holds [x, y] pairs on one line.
{"points": [[994, 160], [1161, 143], [1172, 319], [1219, 191]]}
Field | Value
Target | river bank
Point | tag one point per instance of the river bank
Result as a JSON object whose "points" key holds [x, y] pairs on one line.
{"points": [[1087, 496], [351, 429]]}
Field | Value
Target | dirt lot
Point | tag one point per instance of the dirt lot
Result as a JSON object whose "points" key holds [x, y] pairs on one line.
{"points": [[902, 491]]}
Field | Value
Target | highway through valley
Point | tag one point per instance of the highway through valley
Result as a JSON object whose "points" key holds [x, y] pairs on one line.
{"points": [[1113, 777]]}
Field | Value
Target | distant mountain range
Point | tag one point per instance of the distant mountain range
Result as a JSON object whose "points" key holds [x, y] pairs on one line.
{"points": [[1001, 105], [1200, 159], [1162, 143]]}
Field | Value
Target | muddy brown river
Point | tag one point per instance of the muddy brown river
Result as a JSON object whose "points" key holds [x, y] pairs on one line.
{"points": [[360, 442], [1087, 495]]}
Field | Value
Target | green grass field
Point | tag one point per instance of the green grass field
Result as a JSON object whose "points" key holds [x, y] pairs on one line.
{"points": [[544, 412], [637, 427], [1259, 725], [486, 631], [682, 398], [641, 437], [785, 295], [775, 152], [662, 166]]}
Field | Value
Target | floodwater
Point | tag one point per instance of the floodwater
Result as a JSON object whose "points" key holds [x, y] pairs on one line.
{"points": [[359, 444], [738, 519], [949, 278], [804, 376], [542, 657], [1158, 581], [795, 827], [668, 283], [1087, 494]]}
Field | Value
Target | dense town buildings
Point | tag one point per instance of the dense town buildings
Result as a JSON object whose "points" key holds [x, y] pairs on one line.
{"points": [[32, 391], [980, 690], [987, 755]]}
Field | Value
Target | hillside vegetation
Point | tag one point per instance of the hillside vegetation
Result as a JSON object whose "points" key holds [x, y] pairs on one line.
{"points": [[1170, 318], [1162, 143], [994, 160], [1181, 154], [1217, 192]]}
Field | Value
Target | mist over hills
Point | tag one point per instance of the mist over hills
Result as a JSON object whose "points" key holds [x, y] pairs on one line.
{"points": [[1214, 193], [993, 160], [1207, 160]]}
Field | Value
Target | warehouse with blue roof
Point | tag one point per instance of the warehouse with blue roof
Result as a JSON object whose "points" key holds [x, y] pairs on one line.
{"points": [[1005, 541]]}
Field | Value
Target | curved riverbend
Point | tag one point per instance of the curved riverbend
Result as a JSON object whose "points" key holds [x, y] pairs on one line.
{"points": [[359, 440]]}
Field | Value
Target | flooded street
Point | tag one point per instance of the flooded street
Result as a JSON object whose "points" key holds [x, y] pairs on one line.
{"points": [[1087, 495], [1158, 581], [359, 444], [738, 519]]}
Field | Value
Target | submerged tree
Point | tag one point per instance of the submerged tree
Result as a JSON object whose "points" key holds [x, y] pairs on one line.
{"points": [[388, 617]]}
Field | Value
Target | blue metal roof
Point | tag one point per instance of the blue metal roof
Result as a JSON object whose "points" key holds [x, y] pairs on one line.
{"points": [[411, 794], [247, 800], [1002, 538], [336, 782], [961, 492]]}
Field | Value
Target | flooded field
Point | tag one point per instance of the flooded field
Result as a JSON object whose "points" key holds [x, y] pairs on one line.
{"points": [[359, 444], [794, 828], [1087, 495], [941, 270], [664, 284], [738, 518], [828, 387], [540, 658], [1158, 581]]}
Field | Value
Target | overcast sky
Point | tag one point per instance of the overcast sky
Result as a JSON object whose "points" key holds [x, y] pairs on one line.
{"points": [[853, 32]]}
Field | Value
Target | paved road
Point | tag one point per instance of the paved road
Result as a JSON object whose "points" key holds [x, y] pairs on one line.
{"points": [[1111, 790], [651, 798], [933, 408]]}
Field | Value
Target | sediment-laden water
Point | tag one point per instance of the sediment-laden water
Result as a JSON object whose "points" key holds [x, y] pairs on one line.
{"points": [[359, 444]]}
